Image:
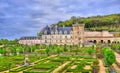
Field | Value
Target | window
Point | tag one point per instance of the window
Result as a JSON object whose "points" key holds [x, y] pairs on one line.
{"points": [[79, 38], [60, 41], [65, 36], [52, 36], [52, 32], [45, 41], [56, 32], [65, 32], [45, 37], [60, 32], [45, 32]]}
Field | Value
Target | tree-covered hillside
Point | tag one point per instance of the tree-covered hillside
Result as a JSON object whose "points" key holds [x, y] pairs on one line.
{"points": [[94, 23], [98, 23]]}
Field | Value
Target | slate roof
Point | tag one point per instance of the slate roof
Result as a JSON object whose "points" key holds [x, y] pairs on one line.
{"points": [[62, 29], [30, 38]]}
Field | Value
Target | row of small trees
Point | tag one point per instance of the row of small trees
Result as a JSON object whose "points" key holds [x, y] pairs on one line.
{"points": [[56, 48], [16, 49], [61, 49]]}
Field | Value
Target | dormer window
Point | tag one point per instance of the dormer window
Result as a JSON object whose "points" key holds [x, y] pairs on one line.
{"points": [[45, 32], [52, 32], [65, 32], [60, 32], [56, 32]]}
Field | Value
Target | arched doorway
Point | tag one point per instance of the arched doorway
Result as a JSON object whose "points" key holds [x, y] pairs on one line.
{"points": [[101, 41], [94, 41], [109, 41]]}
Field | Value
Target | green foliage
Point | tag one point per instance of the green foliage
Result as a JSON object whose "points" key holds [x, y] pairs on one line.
{"points": [[47, 50], [65, 48], [2, 50], [90, 50], [81, 65], [58, 49], [109, 56], [20, 49], [108, 22], [8, 42], [115, 46], [20, 69]]}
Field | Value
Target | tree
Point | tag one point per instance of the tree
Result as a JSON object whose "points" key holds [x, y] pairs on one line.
{"points": [[20, 49], [90, 50], [2, 50], [65, 48], [47, 50], [109, 56], [33, 47], [12, 50], [58, 50], [115, 46]]}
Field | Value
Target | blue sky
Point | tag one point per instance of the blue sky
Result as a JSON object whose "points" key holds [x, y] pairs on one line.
{"points": [[27, 17]]}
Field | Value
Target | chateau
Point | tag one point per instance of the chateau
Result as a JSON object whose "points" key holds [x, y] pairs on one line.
{"points": [[70, 36]]}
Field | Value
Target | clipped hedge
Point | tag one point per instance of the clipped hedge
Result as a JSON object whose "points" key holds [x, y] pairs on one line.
{"points": [[20, 69]]}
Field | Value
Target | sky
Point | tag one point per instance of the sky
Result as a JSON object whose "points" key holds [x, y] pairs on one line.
{"points": [[27, 17]]}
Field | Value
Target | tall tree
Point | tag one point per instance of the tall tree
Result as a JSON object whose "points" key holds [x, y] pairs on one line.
{"points": [[47, 50]]}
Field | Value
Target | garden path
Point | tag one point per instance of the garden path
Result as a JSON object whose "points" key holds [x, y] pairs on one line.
{"points": [[102, 68], [32, 64], [116, 67], [117, 57], [59, 67]]}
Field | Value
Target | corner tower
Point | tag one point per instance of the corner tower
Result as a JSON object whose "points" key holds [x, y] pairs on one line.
{"points": [[78, 34]]}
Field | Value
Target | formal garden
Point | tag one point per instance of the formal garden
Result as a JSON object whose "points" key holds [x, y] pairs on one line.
{"points": [[100, 58]]}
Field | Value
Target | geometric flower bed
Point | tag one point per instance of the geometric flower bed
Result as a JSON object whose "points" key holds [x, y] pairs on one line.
{"points": [[82, 65], [7, 62], [75, 65], [46, 66]]}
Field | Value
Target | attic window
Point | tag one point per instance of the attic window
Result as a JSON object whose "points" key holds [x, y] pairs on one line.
{"points": [[56, 32], [65, 32], [60, 32], [45, 32], [52, 32]]}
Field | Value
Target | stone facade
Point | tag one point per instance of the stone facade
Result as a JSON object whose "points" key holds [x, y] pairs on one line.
{"points": [[70, 36], [30, 40]]}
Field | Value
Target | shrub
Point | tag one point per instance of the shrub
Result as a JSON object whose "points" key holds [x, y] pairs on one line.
{"points": [[109, 56]]}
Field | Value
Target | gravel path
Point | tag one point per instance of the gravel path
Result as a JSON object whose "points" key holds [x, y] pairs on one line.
{"points": [[117, 57], [117, 68], [59, 67], [102, 68]]}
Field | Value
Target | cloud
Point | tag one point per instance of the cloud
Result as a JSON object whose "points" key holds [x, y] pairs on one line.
{"points": [[27, 17]]}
